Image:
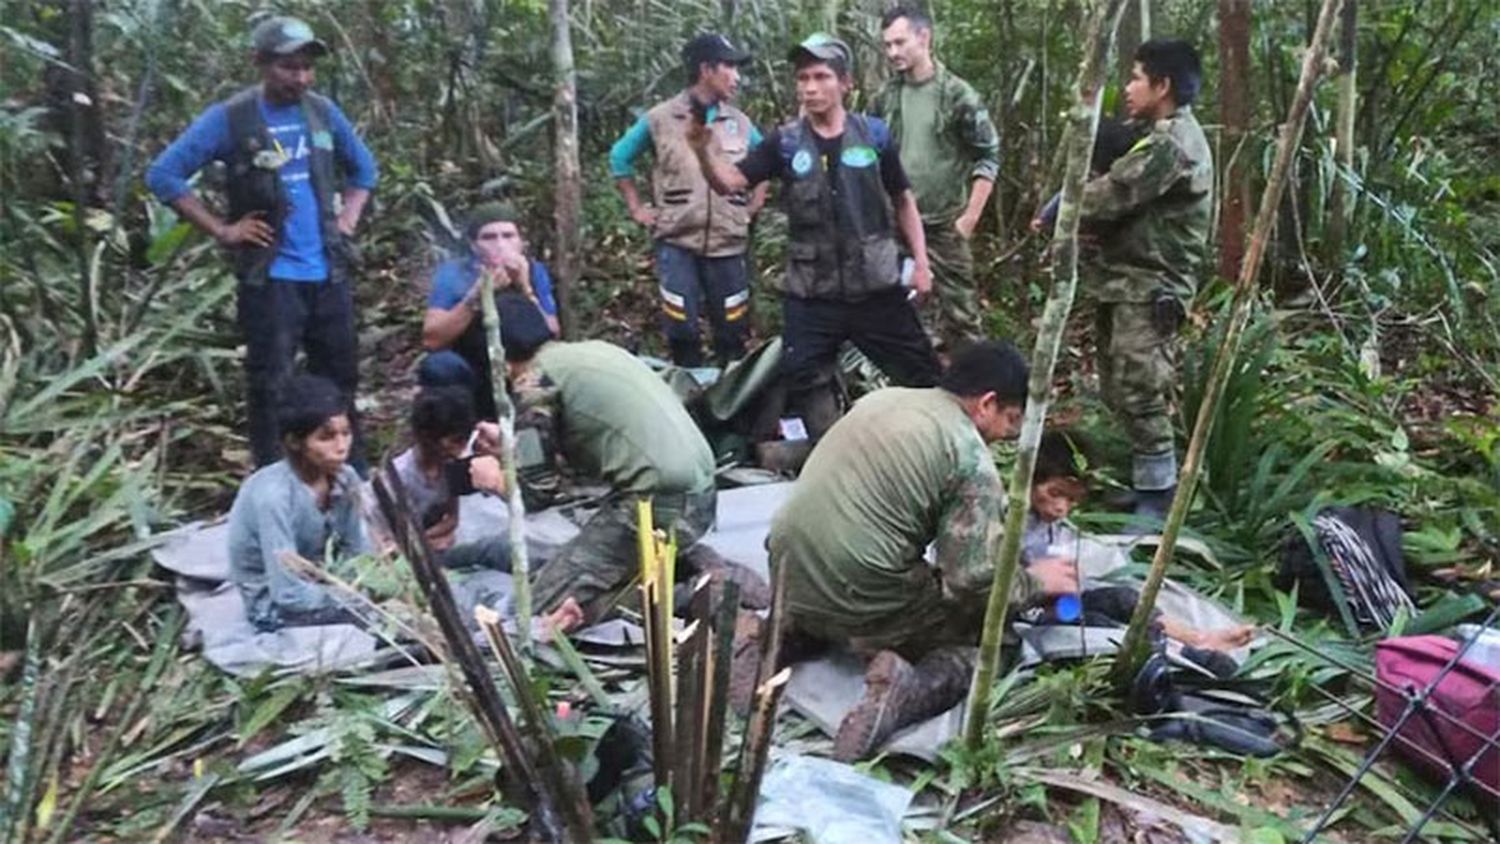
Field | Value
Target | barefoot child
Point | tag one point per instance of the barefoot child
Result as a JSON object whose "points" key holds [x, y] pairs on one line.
{"points": [[1057, 486]]}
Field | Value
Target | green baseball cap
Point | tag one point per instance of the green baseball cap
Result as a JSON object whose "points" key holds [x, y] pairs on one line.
{"points": [[824, 47], [283, 36]]}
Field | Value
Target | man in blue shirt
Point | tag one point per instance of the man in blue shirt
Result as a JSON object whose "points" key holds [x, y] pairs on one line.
{"points": [[452, 329], [286, 231], [700, 235]]}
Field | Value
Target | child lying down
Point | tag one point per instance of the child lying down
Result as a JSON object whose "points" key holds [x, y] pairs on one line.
{"points": [[1057, 486]]}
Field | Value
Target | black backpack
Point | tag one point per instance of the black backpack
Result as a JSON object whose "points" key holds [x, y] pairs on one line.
{"points": [[1350, 564]]}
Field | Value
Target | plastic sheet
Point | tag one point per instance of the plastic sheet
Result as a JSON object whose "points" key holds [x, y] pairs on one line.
{"points": [[829, 803]]}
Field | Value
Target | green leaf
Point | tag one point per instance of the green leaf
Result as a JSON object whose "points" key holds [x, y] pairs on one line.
{"points": [[269, 710]]}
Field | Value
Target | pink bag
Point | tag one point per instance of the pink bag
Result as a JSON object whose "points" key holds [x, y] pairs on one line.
{"points": [[1464, 706]]}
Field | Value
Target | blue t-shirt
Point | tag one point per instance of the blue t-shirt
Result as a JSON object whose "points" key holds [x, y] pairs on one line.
{"points": [[300, 256], [454, 277]]}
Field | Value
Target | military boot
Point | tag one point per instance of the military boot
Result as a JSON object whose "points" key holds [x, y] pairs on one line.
{"points": [[1151, 505], [899, 694]]}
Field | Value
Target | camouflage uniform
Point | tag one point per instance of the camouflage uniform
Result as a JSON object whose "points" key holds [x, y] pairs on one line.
{"points": [[905, 468], [594, 409], [947, 140], [1155, 203]]}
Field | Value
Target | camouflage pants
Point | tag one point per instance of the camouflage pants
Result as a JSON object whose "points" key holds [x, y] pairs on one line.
{"points": [[604, 556], [1136, 359], [954, 314], [928, 622]]}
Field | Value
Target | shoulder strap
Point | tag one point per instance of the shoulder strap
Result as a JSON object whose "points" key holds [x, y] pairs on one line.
{"points": [[243, 111], [317, 110]]}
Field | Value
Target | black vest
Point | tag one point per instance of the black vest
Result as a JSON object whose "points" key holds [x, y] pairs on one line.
{"points": [[843, 241], [253, 187]]}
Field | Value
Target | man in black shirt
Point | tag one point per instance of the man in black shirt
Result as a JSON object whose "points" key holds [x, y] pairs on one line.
{"points": [[846, 198]]}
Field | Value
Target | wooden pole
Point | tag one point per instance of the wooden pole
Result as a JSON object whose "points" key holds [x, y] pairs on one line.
{"points": [[1133, 649], [1085, 121], [520, 564]]}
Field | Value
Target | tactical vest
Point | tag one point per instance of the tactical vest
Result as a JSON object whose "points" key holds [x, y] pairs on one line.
{"points": [[253, 187], [842, 239], [689, 213]]}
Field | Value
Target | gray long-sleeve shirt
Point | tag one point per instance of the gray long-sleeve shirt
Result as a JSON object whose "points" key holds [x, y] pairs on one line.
{"points": [[274, 513]]}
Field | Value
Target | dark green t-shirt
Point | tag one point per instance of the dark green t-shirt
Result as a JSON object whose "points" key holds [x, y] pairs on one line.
{"points": [[905, 468]]}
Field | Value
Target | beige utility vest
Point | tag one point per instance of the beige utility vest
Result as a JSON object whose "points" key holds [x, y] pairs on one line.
{"points": [[689, 213]]}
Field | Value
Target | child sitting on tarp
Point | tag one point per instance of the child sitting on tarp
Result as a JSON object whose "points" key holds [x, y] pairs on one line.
{"points": [[1058, 484], [437, 469], [304, 504]]}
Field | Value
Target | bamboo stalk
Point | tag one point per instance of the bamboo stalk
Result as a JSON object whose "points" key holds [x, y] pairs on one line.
{"points": [[482, 695], [1132, 651], [716, 674], [655, 598], [735, 822], [520, 564], [1084, 123], [687, 720], [569, 797]]}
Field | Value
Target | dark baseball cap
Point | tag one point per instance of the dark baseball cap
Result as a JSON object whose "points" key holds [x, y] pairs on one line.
{"points": [[824, 47], [711, 47], [283, 36]]}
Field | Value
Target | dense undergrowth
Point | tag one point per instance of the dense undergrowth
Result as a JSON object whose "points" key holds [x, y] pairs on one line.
{"points": [[1369, 378]]}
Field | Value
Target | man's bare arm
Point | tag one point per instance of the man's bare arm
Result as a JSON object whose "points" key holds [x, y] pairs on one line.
{"points": [[639, 211], [979, 195], [250, 229]]}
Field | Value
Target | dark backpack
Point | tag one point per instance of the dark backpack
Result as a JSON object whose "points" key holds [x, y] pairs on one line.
{"points": [[1350, 565]]}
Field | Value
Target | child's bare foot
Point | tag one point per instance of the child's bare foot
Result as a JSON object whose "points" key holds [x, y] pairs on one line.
{"points": [[1228, 638]]}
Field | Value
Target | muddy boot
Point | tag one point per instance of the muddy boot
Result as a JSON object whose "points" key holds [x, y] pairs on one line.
{"points": [[755, 593], [744, 662], [899, 694]]}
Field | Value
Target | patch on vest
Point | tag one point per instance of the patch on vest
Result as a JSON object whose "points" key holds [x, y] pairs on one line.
{"points": [[322, 140], [860, 156], [802, 163]]}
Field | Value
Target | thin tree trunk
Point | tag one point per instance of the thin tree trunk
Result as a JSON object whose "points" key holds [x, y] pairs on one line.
{"points": [[569, 180], [520, 563], [1239, 314], [1092, 73], [1133, 31], [1234, 111], [1343, 145]]}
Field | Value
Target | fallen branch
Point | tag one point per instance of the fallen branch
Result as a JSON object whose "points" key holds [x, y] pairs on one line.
{"points": [[569, 797], [484, 699]]}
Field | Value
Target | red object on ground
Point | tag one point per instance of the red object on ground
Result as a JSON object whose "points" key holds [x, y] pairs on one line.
{"points": [[1463, 710]]}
